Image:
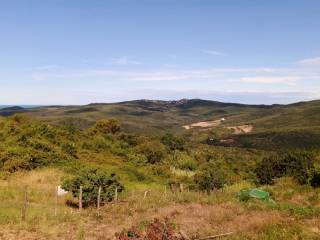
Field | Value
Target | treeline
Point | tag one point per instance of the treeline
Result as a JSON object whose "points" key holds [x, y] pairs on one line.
{"points": [[300, 165]]}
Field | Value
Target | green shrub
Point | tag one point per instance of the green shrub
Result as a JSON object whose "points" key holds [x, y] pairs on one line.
{"points": [[153, 150], [211, 177], [98, 144], [137, 159], [172, 142], [161, 170], [106, 126], [268, 169], [184, 161], [91, 179], [69, 149], [298, 165], [135, 173]]}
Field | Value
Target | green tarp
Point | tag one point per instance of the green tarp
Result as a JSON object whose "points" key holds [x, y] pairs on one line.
{"points": [[246, 194]]}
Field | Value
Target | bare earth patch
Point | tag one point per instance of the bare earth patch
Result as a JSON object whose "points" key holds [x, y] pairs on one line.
{"points": [[204, 124], [241, 129]]}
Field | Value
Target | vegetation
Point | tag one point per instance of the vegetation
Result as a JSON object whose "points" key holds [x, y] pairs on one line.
{"points": [[160, 169], [298, 165], [91, 180], [211, 177], [275, 127], [153, 230]]}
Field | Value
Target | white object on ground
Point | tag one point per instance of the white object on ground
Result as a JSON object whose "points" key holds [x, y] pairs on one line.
{"points": [[61, 191]]}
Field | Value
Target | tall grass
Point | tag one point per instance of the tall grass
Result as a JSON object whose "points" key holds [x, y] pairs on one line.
{"points": [[135, 206]]}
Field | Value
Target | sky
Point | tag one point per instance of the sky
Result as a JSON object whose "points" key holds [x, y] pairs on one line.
{"points": [[81, 51]]}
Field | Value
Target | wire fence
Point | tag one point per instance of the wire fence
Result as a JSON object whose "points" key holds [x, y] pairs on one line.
{"points": [[23, 203]]}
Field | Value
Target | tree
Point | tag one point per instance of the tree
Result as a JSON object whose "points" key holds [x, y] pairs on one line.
{"points": [[172, 142], [153, 150], [211, 177], [106, 126], [91, 179], [297, 164], [268, 169], [183, 160]]}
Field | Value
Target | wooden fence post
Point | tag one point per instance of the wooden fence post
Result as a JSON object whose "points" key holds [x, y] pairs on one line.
{"points": [[145, 194], [98, 200], [181, 187], [116, 194], [56, 201], [25, 203], [80, 198]]}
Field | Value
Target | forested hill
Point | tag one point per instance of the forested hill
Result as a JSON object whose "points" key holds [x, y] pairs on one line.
{"points": [[290, 125]]}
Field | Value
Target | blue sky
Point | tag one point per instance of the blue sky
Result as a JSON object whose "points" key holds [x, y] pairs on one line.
{"points": [[78, 52]]}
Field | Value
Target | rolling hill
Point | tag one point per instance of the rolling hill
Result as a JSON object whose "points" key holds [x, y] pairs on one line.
{"points": [[271, 126]]}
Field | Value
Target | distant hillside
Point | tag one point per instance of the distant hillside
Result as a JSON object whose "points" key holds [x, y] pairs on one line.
{"points": [[273, 126], [148, 116], [7, 111]]}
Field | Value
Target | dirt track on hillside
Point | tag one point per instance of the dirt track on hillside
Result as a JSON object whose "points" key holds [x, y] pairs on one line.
{"points": [[204, 124], [241, 129]]}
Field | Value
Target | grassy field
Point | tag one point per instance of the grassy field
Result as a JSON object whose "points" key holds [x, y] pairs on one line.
{"points": [[296, 214]]}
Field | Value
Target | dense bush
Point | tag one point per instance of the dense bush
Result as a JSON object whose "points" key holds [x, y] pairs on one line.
{"points": [[97, 144], [172, 142], [153, 150], [298, 165], [268, 169], [184, 161], [91, 179], [106, 126], [211, 177], [70, 149]]}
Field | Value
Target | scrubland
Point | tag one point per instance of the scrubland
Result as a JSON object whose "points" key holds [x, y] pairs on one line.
{"points": [[38, 154], [296, 214]]}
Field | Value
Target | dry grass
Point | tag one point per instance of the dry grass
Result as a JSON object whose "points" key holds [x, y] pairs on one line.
{"points": [[195, 214]]}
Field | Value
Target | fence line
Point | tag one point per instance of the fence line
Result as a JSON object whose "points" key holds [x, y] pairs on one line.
{"points": [[35, 201], [98, 200], [56, 201], [25, 203], [80, 198]]}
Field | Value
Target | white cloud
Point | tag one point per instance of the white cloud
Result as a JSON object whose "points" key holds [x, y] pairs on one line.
{"points": [[152, 75], [212, 52], [82, 95], [270, 79], [224, 79], [310, 61], [161, 75], [124, 61]]}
